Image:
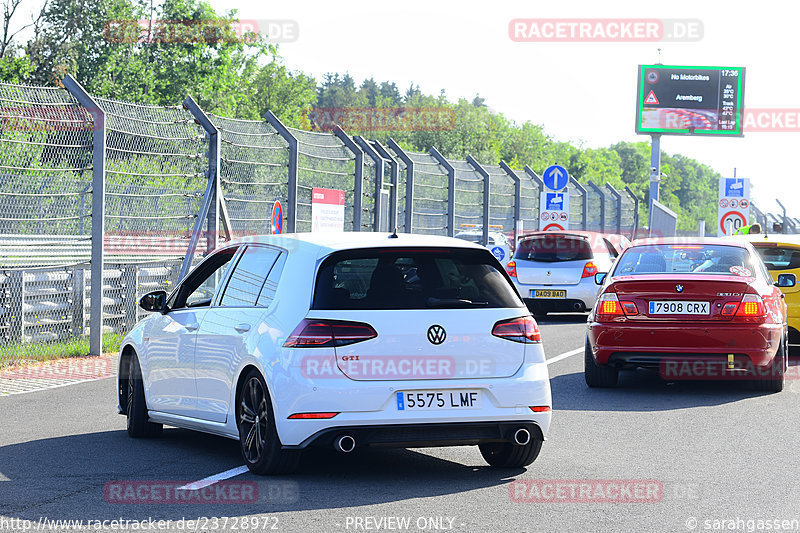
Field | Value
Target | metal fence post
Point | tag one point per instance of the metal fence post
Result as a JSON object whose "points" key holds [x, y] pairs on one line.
{"points": [[582, 190], [451, 190], [16, 280], [409, 210], [486, 197], [130, 281], [294, 154], [618, 198], [602, 196], [535, 177], [517, 197], [378, 160], [394, 170], [98, 210], [635, 212], [214, 207], [358, 189], [78, 296]]}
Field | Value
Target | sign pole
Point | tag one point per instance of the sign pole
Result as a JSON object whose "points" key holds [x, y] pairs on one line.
{"points": [[655, 173]]}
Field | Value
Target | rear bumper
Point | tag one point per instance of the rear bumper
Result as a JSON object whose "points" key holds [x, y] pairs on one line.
{"points": [[648, 345], [585, 293], [423, 435], [558, 306]]}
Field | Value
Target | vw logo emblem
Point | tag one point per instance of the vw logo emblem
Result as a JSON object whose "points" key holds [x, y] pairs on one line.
{"points": [[436, 334], [548, 272], [679, 288]]}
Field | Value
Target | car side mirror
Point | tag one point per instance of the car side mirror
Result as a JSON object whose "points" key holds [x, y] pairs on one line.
{"points": [[600, 277], [786, 280], [154, 302]]}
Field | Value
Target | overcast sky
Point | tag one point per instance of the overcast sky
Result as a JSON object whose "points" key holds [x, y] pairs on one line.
{"points": [[581, 92]]}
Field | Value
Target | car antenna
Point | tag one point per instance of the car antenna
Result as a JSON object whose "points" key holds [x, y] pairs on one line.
{"points": [[394, 234]]}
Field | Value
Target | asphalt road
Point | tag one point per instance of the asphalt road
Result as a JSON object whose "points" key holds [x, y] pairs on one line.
{"points": [[715, 451]]}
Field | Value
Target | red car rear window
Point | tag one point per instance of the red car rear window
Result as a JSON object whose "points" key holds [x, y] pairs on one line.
{"points": [[686, 259]]}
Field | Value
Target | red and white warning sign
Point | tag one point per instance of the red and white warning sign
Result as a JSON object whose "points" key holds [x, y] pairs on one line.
{"points": [[327, 210], [651, 99], [734, 205], [554, 226]]}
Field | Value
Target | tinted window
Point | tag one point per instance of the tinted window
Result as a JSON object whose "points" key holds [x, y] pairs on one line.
{"points": [[778, 258], [554, 248], [412, 279], [248, 276], [695, 258]]}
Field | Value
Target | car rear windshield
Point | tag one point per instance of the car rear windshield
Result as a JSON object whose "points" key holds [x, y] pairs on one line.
{"points": [[554, 248], [779, 258], [422, 278], [686, 258]]}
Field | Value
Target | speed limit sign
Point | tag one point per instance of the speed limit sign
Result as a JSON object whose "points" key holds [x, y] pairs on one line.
{"points": [[731, 221]]}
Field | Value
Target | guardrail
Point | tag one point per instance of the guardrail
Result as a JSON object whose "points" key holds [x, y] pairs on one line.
{"points": [[49, 304]]}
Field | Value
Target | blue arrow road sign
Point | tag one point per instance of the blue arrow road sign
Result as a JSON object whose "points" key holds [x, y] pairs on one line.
{"points": [[555, 177]]}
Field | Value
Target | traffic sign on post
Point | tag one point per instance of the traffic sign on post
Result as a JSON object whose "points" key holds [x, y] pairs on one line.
{"points": [[554, 209], [277, 218], [734, 205], [555, 177]]}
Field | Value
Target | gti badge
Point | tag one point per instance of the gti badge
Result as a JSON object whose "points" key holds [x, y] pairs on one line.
{"points": [[436, 334], [679, 288]]}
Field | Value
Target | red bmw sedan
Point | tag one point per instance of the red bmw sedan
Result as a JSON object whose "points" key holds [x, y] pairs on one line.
{"points": [[700, 309]]}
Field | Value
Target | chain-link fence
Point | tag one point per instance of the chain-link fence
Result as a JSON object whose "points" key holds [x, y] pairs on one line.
{"points": [[102, 201], [254, 163]]}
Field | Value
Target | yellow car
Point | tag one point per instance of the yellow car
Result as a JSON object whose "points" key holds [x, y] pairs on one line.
{"points": [[781, 255]]}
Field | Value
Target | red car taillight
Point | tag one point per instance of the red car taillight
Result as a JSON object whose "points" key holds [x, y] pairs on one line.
{"points": [[610, 306], [589, 270], [511, 268], [312, 333], [751, 306], [523, 329]]}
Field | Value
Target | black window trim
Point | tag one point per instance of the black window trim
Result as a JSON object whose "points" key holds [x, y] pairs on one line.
{"points": [[197, 269]]}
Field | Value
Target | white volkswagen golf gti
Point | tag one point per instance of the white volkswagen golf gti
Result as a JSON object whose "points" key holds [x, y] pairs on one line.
{"points": [[341, 340]]}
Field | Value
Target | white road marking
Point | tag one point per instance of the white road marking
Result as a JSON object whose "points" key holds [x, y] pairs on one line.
{"points": [[210, 480], [564, 355]]}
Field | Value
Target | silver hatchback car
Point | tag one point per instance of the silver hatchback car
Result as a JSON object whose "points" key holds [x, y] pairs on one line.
{"points": [[554, 271]]}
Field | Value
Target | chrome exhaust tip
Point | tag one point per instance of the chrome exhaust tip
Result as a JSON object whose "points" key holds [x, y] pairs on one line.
{"points": [[522, 436], [345, 444]]}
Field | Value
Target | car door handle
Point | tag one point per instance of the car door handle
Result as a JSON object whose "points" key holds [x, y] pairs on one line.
{"points": [[192, 327], [242, 328]]}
